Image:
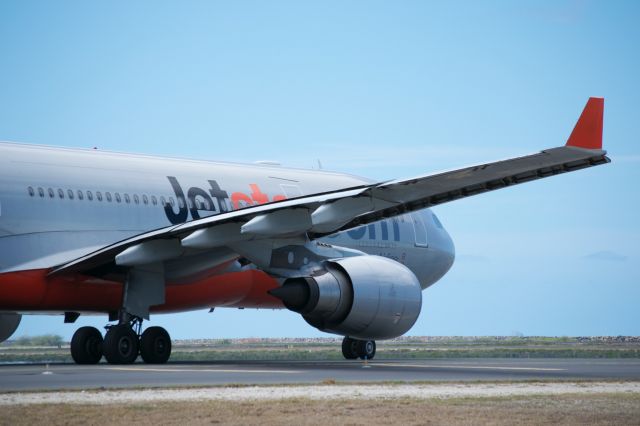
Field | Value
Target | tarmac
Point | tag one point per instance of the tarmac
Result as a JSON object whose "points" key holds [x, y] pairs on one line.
{"points": [[32, 377]]}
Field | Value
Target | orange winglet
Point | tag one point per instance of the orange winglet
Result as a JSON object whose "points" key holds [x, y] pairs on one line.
{"points": [[588, 131]]}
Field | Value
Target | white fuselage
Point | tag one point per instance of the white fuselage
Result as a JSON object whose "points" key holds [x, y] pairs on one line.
{"points": [[57, 204]]}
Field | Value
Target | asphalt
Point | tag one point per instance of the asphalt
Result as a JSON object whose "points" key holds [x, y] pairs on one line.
{"points": [[69, 376]]}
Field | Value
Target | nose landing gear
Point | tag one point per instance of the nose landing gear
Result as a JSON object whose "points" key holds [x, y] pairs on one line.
{"points": [[121, 344], [354, 348]]}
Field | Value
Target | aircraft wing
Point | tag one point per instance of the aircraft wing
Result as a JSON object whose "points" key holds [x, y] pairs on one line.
{"points": [[317, 215]]}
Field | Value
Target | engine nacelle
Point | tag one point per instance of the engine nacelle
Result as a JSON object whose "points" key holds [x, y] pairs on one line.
{"points": [[365, 297], [8, 325]]}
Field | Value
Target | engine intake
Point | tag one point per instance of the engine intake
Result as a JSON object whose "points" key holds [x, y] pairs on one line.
{"points": [[365, 297]]}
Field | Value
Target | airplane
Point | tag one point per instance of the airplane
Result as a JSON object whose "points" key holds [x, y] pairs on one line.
{"points": [[88, 232]]}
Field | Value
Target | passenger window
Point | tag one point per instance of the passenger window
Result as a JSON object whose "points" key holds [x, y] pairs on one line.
{"points": [[31, 191], [70, 194], [51, 193], [89, 196], [117, 197], [198, 204], [173, 203], [136, 199], [163, 202], [154, 200], [99, 196], [108, 196], [80, 195], [145, 199], [61, 193], [40, 192], [181, 203]]}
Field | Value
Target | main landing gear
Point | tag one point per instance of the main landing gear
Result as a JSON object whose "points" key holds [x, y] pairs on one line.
{"points": [[354, 348], [121, 344]]}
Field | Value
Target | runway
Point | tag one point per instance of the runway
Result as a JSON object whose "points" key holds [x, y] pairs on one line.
{"points": [[70, 376]]}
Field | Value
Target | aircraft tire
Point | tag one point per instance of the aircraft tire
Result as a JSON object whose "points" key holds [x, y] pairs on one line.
{"points": [[120, 345], [366, 349], [86, 345], [350, 348], [155, 345]]}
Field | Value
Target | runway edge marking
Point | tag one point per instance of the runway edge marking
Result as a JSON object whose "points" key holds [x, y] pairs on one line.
{"points": [[209, 370], [472, 367]]}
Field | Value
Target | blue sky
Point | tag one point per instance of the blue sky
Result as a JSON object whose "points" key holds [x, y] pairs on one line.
{"points": [[382, 89]]}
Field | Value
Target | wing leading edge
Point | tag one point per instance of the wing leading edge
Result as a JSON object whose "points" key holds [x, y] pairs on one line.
{"points": [[318, 215]]}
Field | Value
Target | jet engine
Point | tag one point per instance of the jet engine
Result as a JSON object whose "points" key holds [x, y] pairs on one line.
{"points": [[8, 325], [364, 297]]}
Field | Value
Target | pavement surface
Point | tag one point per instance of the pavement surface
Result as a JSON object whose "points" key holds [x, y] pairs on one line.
{"points": [[70, 376]]}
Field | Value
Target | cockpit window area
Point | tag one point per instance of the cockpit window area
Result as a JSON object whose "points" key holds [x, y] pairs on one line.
{"points": [[437, 221]]}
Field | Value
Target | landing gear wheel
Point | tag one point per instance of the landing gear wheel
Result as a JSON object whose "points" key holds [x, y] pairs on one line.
{"points": [[366, 349], [120, 345], [350, 348], [86, 345], [155, 345]]}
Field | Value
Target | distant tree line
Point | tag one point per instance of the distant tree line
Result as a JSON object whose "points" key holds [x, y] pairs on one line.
{"points": [[42, 340]]}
